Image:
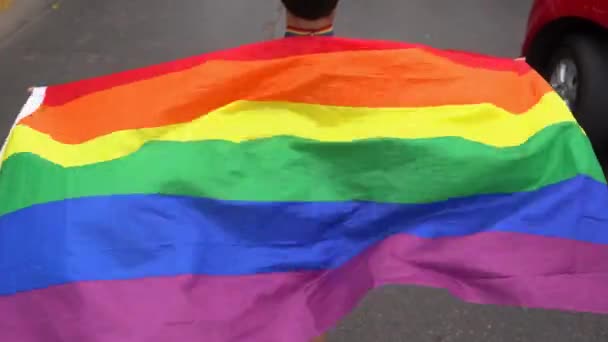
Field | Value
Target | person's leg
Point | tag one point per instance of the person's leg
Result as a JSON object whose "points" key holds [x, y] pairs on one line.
{"points": [[310, 17], [320, 339]]}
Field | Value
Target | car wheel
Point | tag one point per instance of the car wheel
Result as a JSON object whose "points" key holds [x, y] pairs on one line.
{"points": [[578, 71]]}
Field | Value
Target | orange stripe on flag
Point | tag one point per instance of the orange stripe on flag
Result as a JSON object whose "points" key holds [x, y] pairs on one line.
{"points": [[399, 78], [274, 49]]}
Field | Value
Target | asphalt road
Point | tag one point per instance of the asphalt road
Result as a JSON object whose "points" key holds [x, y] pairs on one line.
{"points": [[83, 38]]}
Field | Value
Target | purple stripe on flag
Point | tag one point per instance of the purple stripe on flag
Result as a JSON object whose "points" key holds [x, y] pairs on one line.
{"points": [[490, 268]]}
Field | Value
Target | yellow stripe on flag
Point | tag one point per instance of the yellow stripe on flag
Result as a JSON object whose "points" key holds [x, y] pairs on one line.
{"points": [[248, 120]]}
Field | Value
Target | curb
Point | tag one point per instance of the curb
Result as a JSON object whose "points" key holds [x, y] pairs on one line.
{"points": [[15, 14]]}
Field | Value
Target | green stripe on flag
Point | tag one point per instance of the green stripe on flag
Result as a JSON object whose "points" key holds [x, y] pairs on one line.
{"points": [[294, 169]]}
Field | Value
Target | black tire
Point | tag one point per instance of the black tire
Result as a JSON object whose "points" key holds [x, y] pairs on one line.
{"points": [[590, 55]]}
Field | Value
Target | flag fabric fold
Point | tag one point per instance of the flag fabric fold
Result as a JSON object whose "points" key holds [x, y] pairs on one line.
{"points": [[258, 193]]}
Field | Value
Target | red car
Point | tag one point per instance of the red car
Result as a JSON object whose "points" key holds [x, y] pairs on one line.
{"points": [[567, 42]]}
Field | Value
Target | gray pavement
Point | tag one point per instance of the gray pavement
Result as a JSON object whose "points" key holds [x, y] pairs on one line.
{"points": [[15, 14], [83, 38]]}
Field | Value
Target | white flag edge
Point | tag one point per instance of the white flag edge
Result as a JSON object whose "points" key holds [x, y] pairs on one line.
{"points": [[33, 102]]}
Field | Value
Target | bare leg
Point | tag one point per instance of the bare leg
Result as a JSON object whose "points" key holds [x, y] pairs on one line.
{"points": [[319, 339]]}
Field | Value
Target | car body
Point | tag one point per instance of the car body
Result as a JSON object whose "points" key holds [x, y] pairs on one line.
{"points": [[551, 19], [567, 43]]}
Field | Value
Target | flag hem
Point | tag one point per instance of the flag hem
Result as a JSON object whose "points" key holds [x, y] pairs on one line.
{"points": [[33, 102]]}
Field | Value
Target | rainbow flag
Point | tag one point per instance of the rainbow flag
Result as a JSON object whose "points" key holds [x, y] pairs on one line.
{"points": [[257, 194]]}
